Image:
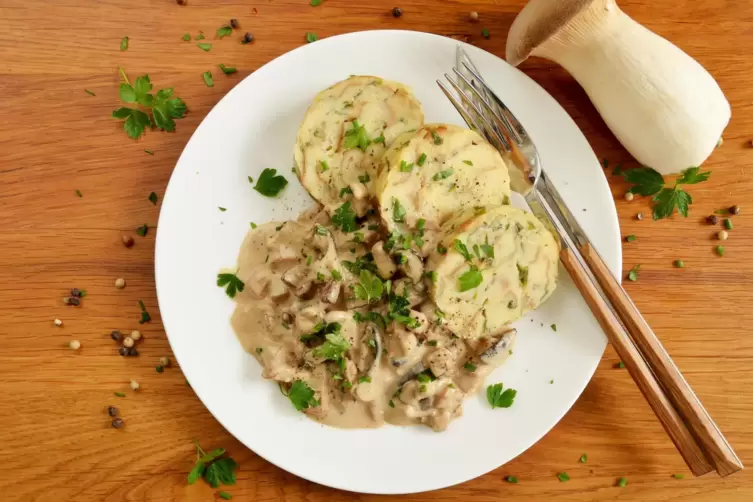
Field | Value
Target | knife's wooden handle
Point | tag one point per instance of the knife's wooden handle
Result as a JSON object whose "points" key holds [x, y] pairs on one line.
{"points": [[716, 447], [637, 367]]}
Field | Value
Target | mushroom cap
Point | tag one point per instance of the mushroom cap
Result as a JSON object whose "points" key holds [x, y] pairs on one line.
{"points": [[538, 21]]}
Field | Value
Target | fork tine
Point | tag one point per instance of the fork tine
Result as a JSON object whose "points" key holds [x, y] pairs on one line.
{"points": [[487, 129], [472, 123], [514, 126]]}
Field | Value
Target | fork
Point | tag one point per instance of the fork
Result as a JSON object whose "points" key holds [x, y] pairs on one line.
{"points": [[688, 424]]}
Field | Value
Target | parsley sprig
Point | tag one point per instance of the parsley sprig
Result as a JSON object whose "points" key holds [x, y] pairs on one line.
{"points": [[647, 181], [369, 287], [498, 398], [164, 107], [215, 468], [302, 396], [270, 183], [344, 217], [231, 283]]}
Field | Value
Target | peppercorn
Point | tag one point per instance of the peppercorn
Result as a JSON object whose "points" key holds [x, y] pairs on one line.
{"points": [[127, 240], [115, 335], [72, 300], [182, 2], [74, 344], [234, 24], [722, 235], [132, 352], [247, 38], [76, 293], [712, 219], [118, 423], [112, 411], [58, 322], [720, 142], [639, 216], [128, 342], [397, 12], [474, 16], [160, 369], [134, 385], [734, 209], [120, 283], [136, 335], [164, 361], [123, 351], [629, 196]]}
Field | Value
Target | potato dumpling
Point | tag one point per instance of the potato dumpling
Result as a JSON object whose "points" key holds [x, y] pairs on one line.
{"points": [[437, 173], [344, 134], [490, 270]]}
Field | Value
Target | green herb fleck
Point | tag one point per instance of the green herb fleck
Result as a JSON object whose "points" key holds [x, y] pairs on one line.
{"points": [[470, 367], [485, 33], [311, 37], [468, 162], [563, 476], [270, 184], [405, 167], [470, 279], [253, 225], [511, 479], [720, 250], [224, 31], [522, 274], [225, 495], [728, 224], [679, 264], [124, 44], [356, 137], [200, 36], [554, 327], [364, 379], [344, 218], [90, 93], [398, 211], [119, 394], [620, 365], [207, 76], [499, 399], [302, 396], [633, 274], [436, 137], [186, 37], [630, 238], [153, 198], [441, 175], [206, 47], [231, 283], [142, 230], [315, 3], [421, 160], [79, 194], [227, 70], [583, 458], [678, 476], [622, 482]]}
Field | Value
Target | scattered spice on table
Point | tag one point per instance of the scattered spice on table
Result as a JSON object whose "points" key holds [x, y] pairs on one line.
{"points": [[200, 36], [734, 209], [134, 385], [58, 322], [128, 342], [247, 38], [90, 93], [115, 335], [136, 335], [142, 230], [127, 240], [160, 368], [224, 31], [311, 37], [182, 2], [563, 476], [164, 361], [124, 44], [679, 264], [226, 495], [678, 476], [227, 70], [720, 250], [120, 283], [639, 216], [629, 196]]}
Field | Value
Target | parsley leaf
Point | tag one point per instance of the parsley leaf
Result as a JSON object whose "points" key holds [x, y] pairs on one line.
{"points": [[398, 211], [670, 198], [646, 181], [369, 287], [441, 175], [522, 274], [462, 249], [124, 44], [563, 476], [315, 3], [207, 76], [225, 495], [227, 70], [231, 283], [186, 37], [145, 317], [488, 250], [224, 31], [204, 46], [436, 137], [356, 137], [421, 160], [344, 218], [311, 37], [405, 167], [164, 107], [333, 348], [470, 279], [302, 396], [269, 183], [215, 468], [499, 399], [633, 274], [691, 176], [142, 230]]}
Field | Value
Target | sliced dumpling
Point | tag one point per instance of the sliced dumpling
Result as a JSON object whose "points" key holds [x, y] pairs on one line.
{"points": [[344, 134], [492, 269], [438, 173]]}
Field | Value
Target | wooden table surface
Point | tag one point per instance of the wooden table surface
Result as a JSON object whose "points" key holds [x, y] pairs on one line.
{"points": [[56, 441]]}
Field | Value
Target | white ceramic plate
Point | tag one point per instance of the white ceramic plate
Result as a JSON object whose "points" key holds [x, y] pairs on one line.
{"points": [[254, 127]]}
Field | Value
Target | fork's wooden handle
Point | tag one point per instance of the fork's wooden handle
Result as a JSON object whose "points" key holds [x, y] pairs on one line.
{"points": [[717, 449], [638, 369]]}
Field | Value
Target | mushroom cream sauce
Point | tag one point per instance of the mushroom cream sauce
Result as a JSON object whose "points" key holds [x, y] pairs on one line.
{"points": [[339, 312]]}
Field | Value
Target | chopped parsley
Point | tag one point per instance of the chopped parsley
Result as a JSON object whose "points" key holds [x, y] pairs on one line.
{"points": [[369, 287], [678, 476], [441, 249], [311, 37], [583, 458], [344, 218], [227, 70], [364, 379], [345, 191], [206, 47], [421, 160], [324, 165], [124, 44], [153, 198], [436, 137], [462, 249], [225, 495], [522, 274], [231, 283], [398, 211], [720, 250], [336, 275], [468, 162], [224, 31], [213, 467], [633, 274], [356, 137], [90, 93], [630, 238], [207, 76], [186, 37], [470, 279], [223, 209], [441, 175], [379, 139], [302, 396], [485, 33], [405, 167], [145, 317], [365, 178], [563, 476], [333, 347], [511, 479], [253, 225], [270, 183], [79, 194], [554, 327], [142, 230], [470, 367], [150, 152], [622, 482], [499, 399]]}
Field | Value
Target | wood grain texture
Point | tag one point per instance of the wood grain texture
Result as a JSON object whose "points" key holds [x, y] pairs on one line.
{"points": [[55, 438]]}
